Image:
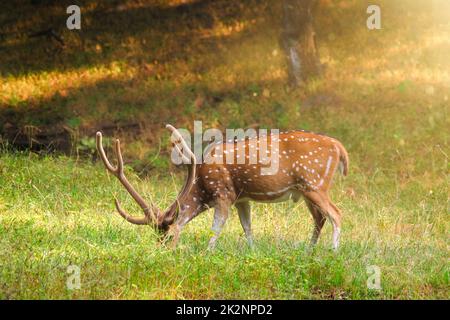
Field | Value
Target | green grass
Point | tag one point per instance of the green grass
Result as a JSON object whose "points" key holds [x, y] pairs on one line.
{"points": [[57, 212], [385, 95]]}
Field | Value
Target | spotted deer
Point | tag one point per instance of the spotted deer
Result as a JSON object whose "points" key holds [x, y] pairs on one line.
{"points": [[306, 165]]}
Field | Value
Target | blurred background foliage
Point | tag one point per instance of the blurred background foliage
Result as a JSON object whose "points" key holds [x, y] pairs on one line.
{"points": [[139, 64]]}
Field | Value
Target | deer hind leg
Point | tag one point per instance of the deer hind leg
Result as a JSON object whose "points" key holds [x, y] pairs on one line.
{"points": [[337, 221], [323, 202], [245, 218], [319, 220], [221, 212]]}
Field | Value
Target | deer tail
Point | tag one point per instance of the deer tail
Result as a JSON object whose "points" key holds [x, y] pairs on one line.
{"points": [[343, 158]]}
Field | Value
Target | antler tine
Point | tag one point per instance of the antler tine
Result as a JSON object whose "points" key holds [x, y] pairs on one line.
{"points": [[103, 154], [183, 143], [192, 169], [150, 212], [135, 220], [119, 158], [185, 159]]}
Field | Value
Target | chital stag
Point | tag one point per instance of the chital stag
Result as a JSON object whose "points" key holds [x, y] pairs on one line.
{"points": [[306, 166]]}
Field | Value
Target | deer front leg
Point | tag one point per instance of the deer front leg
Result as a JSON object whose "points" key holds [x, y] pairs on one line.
{"points": [[179, 225], [245, 218], [176, 235], [220, 217]]}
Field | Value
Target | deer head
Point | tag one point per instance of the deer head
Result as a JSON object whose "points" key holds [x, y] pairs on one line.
{"points": [[162, 220], [305, 162]]}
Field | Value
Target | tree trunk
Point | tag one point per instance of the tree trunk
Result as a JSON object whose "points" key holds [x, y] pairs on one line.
{"points": [[298, 41]]}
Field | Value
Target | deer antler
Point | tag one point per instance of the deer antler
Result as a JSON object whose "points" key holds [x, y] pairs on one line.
{"points": [[192, 169], [151, 213]]}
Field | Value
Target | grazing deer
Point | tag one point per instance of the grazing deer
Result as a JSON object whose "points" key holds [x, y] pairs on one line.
{"points": [[306, 165]]}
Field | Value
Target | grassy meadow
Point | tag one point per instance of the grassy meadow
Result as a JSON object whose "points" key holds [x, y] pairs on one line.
{"points": [[385, 95]]}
